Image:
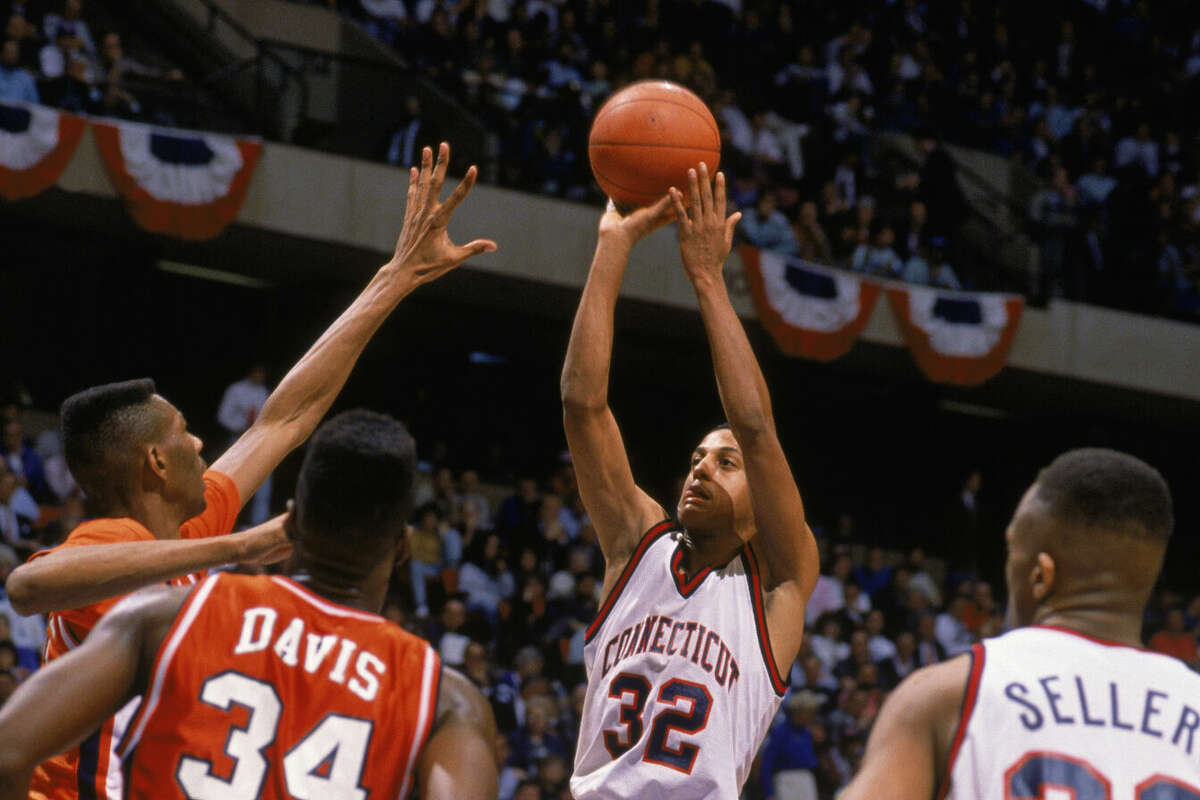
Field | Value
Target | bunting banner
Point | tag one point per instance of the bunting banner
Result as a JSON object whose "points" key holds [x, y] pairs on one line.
{"points": [[960, 338], [180, 183], [811, 311], [36, 143]]}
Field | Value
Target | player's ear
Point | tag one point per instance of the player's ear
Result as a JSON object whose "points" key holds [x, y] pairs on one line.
{"points": [[1042, 576], [152, 459]]}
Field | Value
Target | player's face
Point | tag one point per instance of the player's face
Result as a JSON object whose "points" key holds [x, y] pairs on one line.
{"points": [[185, 466], [1022, 555], [715, 494]]}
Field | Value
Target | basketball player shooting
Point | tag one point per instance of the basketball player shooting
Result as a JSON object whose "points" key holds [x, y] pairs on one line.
{"points": [[290, 686], [159, 515], [702, 613], [1068, 705]]}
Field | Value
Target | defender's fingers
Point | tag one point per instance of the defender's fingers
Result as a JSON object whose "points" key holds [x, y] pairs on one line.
{"points": [[426, 171], [474, 248], [457, 196], [694, 187], [719, 196], [439, 170], [680, 212], [706, 195], [730, 224]]}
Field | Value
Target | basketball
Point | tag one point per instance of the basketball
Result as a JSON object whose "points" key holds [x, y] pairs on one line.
{"points": [[646, 137]]}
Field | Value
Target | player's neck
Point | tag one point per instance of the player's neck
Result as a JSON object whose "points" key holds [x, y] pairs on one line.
{"points": [[1113, 625], [158, 516], [334, 582], [700, 551]]}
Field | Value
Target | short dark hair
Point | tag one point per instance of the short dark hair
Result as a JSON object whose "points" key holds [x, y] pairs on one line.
{"points": [[1104, 489], [355, 489], [99, 425]]}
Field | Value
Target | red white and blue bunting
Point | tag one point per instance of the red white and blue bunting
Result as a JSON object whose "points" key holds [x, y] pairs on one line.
{"points": [[811, 311], [961, 338], [180, 183], [36, 143], [818, 312]]}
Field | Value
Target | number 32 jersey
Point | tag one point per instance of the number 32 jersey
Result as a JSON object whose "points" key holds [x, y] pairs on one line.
{"points": [[262, 689], [682, 685], [1051, 713]]}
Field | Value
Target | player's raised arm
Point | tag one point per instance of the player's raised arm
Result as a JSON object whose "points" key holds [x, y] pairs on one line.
{"points": [[68, 699], [459, 760], [618, 509], [423, 253], [788, 550], [910, 743]]}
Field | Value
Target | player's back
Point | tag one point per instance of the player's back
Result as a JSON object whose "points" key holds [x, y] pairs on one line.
{"points": [[262, 689], [1053, 713]]}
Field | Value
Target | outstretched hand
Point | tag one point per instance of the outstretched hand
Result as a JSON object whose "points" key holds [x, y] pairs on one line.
{"points": [[424, 250], [638, 224], [705, 233]]}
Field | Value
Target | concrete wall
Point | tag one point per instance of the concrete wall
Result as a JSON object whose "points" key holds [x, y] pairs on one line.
{"points": [[328, 198]]}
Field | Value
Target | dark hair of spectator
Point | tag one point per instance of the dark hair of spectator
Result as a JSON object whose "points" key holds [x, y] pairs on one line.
{"points": [[99, 426], [1101, 489], [10, 647], [355, 487]]}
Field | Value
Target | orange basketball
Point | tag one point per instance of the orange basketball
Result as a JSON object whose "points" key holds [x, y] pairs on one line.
{"points": [[646, 137]]}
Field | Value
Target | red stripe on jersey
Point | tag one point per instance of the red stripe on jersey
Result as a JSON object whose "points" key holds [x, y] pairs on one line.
{"points": [[970, 695], [611, 600], [760, 622]]}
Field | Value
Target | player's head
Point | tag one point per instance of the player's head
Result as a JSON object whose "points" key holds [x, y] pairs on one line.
{"points": [[716, 497], [355, 491], [122, 440], [1093, 528]]}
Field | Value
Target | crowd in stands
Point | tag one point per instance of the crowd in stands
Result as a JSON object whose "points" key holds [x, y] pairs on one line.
{"points": [[1085, 93], [54, 58], [504, 581]]}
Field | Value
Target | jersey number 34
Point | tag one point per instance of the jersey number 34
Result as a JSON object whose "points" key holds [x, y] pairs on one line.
{"points": [[686, 712]]}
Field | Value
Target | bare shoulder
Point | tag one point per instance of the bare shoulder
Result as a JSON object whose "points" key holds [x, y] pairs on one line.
{"points": [[459, 702], [912, 739], [143, 620]]}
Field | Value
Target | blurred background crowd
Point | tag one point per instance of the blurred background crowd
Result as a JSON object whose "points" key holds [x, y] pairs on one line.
{"points": [[839, 119]]}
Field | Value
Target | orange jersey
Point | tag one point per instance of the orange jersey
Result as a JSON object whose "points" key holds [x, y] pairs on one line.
{"points": [[89, 770], [262, 689]]}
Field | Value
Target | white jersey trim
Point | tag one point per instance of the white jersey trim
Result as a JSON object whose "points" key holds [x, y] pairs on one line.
{"points": [[194, 603]]}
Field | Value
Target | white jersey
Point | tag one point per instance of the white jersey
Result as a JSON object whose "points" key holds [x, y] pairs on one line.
{"points": [[1050, 713], [682, 685]]}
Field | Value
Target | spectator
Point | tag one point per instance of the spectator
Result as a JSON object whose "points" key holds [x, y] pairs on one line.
{"points": [[879, 259], [811, 242], [16, 82], [517, 519], [484, 577], [860, 654], [929, 649], [827, 644], [879, 646], [18, 512], [829, 593], [952, 632], [451, 639], [1138, 150], [434, 546], [240, 406], [114, 67], [410, 135], [468, 492], [921, 580], [809, 674], [900, 664], [54, 465], [789, 759], [875, 575], [8, 684], [24, 462], [940, 274], [535, 740], [70, 23], [28, 634], [1175, 641], [764, 226]]}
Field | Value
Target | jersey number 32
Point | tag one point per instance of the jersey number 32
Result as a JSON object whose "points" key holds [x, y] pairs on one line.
{"points": [[686, 711]]}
